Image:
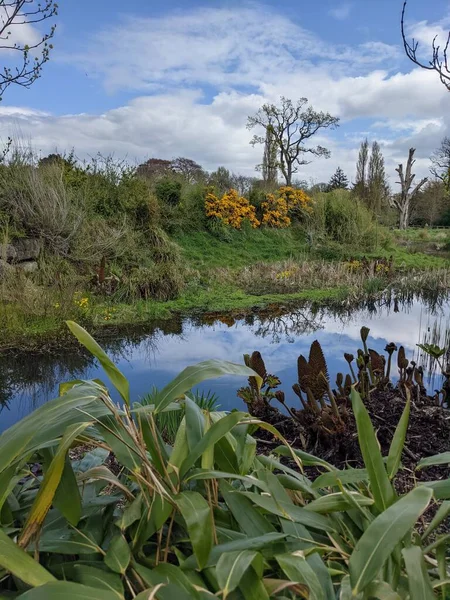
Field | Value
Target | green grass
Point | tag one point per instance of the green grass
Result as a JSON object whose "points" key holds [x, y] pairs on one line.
{"points": [[204, 250]]}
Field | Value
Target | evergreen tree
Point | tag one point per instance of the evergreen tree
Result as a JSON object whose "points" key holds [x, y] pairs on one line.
{"points": [[377, 185], [360, 188], [269, 165], [338, 181]]}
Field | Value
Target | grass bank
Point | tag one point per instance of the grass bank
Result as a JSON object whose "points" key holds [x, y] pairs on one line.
{"points": [[235, 278]]}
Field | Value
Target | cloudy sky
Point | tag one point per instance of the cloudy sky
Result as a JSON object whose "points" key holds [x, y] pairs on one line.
{"points": [[167, 78]]}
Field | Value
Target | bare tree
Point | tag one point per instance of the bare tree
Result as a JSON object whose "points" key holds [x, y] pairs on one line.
{"points": [[439, 56], [292, 124], [15, 15], [270, 159], [440, 162], [154, 168], [403, 201], [361, 182]]}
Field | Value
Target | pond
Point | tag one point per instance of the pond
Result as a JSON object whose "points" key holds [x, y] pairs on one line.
{"points": [[152, 357]]}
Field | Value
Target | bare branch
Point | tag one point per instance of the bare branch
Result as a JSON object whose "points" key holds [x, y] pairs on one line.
{"points": [[439, 59]]}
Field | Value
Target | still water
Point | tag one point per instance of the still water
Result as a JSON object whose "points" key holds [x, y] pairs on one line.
{"points": [[154, 356]]}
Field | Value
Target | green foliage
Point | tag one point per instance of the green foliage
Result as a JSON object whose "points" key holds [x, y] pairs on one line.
{"points": [[204, 516], [168, 191], [344, 219]]}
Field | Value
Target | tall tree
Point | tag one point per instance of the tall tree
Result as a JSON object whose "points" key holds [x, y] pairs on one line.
{"points": [[361, 182], [191, 171], [403, 201], [24, 57], [270, 158], [440, 57], [292, 125], [440, 163], [338, 181], [377, 185], [155, 168]]}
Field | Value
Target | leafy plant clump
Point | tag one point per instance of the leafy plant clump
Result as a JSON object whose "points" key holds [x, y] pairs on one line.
{"points": [[205, 517]]}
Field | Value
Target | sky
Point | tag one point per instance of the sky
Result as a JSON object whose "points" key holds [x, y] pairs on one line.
{"points": [[168, 78]]}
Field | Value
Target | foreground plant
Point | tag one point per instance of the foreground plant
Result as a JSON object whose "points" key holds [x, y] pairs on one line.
{"points": [[206, 517]]}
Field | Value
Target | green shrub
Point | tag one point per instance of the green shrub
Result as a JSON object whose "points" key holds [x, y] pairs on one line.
{"points": [[341, 217], [168, 190]]}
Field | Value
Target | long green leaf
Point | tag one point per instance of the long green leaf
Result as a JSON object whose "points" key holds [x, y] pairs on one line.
{"points": [[382, 536], [382, 591], [49, 485], [338, 502], [250, 520], [437, 459], [16, 561], [99, 578], [198, 516], [216, 432], [382, 490], [398, 441], [66, 590], [118, 555], [195, 422], [192, 376], [49, 422], [418, 581], [332, 478], [67, 497], [441, 515], [231, 568], [119, 381], [255, 543], [290, 511], [297, 569]]}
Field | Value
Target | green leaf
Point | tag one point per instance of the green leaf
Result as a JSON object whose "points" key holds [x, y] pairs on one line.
{"points": [[382, 490], [418, 581], [176, 584], [216, 432], [119, 381], [398, 441], [252, 587], [67, 497], [231, 568], [441, 488], [66, 590], [382, 536], [290, 511], [49, 422], [297, 569], [118, 555], [382, 591], [199, 521], [98, 578], [255, 543], [308, 460], [195, 422], [49, 485], [16, 561], [338, 502], [332, 479], [249, 519], [441, 515], [91, 459], [192, 376], [437, 459]]}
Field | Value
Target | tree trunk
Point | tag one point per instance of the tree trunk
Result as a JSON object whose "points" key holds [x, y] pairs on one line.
{"points": [[404, 217], [288, 175]]}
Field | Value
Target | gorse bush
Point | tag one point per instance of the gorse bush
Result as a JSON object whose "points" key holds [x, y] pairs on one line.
{"points": [[205, 517]]}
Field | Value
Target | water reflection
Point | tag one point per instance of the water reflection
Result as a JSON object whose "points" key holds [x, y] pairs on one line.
{"points": [[155, 355]]}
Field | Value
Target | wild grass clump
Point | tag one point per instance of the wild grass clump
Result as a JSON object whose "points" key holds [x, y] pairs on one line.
{"points": [[341, 217]]}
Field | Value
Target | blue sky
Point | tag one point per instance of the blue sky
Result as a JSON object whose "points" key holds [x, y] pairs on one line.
{"points": [[169, 78]]}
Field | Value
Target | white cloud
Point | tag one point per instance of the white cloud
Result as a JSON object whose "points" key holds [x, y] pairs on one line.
{"points": [[341, 12], [247, 56]]}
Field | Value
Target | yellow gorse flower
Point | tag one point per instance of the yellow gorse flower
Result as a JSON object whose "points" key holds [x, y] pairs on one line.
{"points": [[231, 209]]}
